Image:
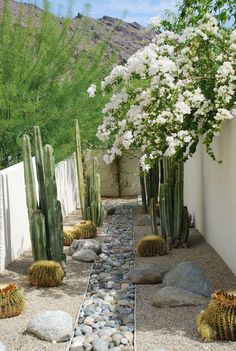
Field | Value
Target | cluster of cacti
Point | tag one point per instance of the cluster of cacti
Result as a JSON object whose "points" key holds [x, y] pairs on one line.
{"points": [[174, 215], [149, 184], [11, 301], [69, 235], [94, 209], [218, 321], [45, 217], [89, 188], [86, 230], [46, 273], [151, 245]]}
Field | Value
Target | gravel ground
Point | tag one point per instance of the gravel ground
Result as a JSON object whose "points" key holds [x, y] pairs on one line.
{"points": [[173, 329], [66, 297]]}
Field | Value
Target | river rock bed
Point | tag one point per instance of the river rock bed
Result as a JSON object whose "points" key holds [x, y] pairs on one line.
{"points": [[106, 319]]}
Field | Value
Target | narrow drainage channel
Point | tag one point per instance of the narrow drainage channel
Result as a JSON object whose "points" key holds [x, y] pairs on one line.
{"points": [[106, 320]]}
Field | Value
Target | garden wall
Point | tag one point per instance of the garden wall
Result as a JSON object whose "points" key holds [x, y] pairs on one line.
{"points": [[14, 226], [127, 167], [210, 193]]}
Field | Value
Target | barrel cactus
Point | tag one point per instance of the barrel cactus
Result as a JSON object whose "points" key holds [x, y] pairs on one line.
{"points": [[46, 273], [69, 235], [218, 321], [11, 301], [151, 245], [86, 230]]}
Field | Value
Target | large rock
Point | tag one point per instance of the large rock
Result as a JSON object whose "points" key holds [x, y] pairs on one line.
{"points": [[175, 297], [85, 256], [86, 244], [51, 326], [148, 273], [2, 347], [189, 276]]}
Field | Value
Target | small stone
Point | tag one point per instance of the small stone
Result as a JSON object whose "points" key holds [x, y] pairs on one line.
{"points": [[76, 347], [124, 341], [86, 329], [100, 345], [89, 321], [51, 325], [85, 256], [78, 340], [2, 347], [129, 336]]}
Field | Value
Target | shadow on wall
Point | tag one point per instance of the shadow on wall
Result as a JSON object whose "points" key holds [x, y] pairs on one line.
{"points": [[120, 178]]}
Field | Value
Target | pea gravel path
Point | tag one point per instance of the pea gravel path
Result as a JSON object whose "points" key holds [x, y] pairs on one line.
{"points": [[173, 329]]}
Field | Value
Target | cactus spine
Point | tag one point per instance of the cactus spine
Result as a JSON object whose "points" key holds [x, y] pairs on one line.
{"points": [[11, 301], [80, 170], [151, 245], [45, 216], [46, 273], [218, 321]]}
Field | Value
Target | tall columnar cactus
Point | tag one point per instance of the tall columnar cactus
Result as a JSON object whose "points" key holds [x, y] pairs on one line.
{"points": [[174, 216], [150, 186], [45, 216], [94, 209], [80, 170], [153, 216]]}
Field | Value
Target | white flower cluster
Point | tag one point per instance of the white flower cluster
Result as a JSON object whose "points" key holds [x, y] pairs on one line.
{"points": [[171, 94]]}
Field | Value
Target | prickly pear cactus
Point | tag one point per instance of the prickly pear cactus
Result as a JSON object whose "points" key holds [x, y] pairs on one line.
{"points": [[151, 245], [46, 273], [218, 321], [11, 301]]}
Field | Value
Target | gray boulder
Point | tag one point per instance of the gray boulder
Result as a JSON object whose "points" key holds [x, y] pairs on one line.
{"points": [[148, 273], [189, 276], [51, 326], [85, 256], [2, 347], [86, 244], [176, 297]]}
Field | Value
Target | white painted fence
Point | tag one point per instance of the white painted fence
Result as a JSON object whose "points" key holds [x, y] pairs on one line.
{"points": [[14, 225], [210, 193]]}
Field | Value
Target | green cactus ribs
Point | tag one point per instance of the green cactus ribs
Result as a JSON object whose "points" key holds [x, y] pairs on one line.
{"points": [[45, 217], [46, 274], [218, 321], [11, 301], [151, 245]]}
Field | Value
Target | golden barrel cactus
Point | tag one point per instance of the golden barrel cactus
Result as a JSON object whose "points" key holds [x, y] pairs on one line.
{"points": [[218, 321], [151, 245], [86, 230], [46, 273], [69, 235], [11, 301]]}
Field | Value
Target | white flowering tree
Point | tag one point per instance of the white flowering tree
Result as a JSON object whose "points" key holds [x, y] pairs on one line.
{"points": [[176, 90]]}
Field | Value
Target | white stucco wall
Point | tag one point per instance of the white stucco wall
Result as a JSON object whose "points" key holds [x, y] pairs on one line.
{"points": [[14, 225], [210, 193]]}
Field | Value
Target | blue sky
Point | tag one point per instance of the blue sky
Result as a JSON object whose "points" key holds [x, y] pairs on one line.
{"points": [[130, 10]]}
